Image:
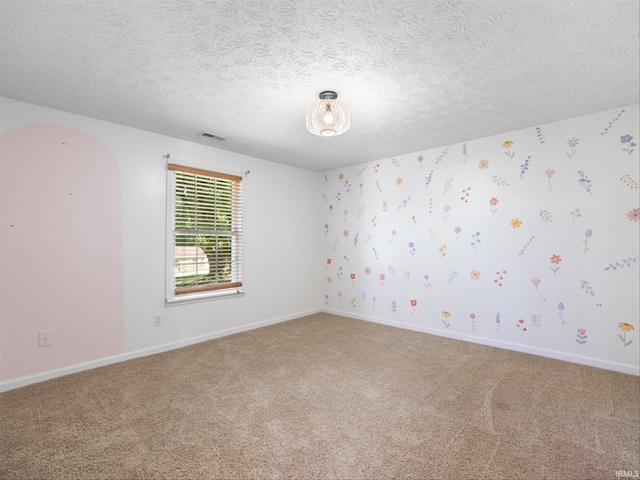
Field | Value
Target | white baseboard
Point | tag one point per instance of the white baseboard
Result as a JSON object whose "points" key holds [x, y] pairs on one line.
{"points": [[567, 357], [101, 362]]}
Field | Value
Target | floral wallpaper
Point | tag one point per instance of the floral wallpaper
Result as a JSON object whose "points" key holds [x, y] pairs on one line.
{"points": [[480, 239]]}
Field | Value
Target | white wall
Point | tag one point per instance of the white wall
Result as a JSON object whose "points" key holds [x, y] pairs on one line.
{"points": [[281, 244], [399, 217], [286, 253]]}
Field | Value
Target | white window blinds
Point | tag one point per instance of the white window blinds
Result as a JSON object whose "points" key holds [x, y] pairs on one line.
{"points": [[206, 230]]}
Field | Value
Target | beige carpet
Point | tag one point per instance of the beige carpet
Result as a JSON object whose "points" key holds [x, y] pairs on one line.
{"points": [[325, 397]]}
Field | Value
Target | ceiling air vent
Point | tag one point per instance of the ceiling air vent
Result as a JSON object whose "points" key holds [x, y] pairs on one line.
{"points": [[211, 135]]}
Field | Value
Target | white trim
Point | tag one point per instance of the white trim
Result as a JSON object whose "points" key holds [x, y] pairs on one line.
{"points": [[202, 297], [101, 362], [542, 352]]}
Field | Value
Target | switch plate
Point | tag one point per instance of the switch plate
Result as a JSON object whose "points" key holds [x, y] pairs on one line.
{"points": [[44, 338], [157, 319], [535, 319]]}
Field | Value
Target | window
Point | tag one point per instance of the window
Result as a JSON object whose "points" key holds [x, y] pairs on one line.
{"points": [[205, 244]]}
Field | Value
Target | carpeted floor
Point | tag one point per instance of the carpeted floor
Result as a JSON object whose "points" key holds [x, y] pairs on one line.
{"points": [[325, 397]]}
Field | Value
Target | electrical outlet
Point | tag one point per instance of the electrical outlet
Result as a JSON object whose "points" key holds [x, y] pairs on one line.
{"points": [[157, 319], [44, 338], [534, 319]]}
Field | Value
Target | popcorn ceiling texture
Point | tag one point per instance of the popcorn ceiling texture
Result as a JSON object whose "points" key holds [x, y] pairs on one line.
{"points": [[469, 240], [417, 74]]}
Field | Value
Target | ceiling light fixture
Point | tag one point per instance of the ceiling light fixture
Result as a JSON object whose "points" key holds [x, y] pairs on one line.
{"points": [[328, 117]]}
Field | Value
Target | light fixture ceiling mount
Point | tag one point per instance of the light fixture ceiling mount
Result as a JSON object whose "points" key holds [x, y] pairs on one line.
{"points": [[328, 117]]}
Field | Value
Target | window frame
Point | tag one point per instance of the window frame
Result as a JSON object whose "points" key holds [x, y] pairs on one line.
{"points": [[197, 294]]}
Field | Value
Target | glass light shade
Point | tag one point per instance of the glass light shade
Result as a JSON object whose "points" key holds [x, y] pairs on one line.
{"points": [[328, 117]]}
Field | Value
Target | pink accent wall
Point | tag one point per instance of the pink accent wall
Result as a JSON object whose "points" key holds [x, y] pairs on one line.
{"points": [[61, 249]]}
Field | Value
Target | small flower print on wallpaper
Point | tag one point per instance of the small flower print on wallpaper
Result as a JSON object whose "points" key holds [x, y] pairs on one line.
{"points": [[526, 245], [606, 130], [536, 283], [632, 215], [573, 143], [524, 168], [561, 312], [428, 179], [482, 164], [475, 241], [475, 275], [521, 326], [446, 209], [447, 184], [550, 172], [555, 263], [500, 278], [507, 146], [516, 223], [626, 139], [575, 213], [587, 236], [626, 328], [493, 205], [442, 155], [629, 181], [588, 289], [582, 336], [445, 319], [627, 262], [546, 215], [584, 181], [499, 181]]}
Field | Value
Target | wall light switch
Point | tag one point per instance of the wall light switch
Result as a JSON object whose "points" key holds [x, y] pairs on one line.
{"points": [[157, 319]]}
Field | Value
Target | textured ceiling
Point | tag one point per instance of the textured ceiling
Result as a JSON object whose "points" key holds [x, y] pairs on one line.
{"points": [[417, 74]]}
